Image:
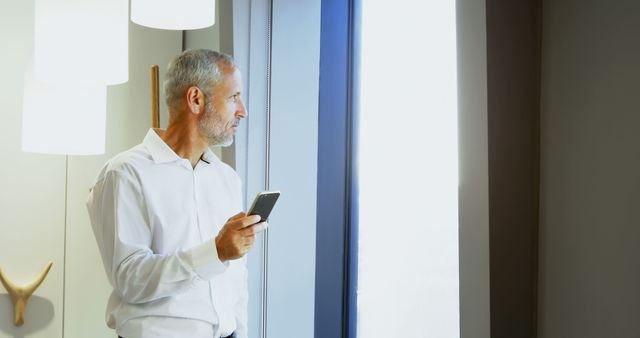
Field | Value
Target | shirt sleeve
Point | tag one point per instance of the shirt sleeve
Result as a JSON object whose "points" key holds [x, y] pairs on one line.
{"points": [[118, 218]]}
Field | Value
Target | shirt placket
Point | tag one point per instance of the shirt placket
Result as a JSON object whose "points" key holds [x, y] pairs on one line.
{"points": [[198, 217]]}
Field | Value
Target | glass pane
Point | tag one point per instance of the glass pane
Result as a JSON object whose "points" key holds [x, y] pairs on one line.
{"points": [[408, 230]]}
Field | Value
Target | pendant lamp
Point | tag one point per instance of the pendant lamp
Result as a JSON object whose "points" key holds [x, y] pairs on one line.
{"points": [[174, 14], [63, 119], [81, 41]]}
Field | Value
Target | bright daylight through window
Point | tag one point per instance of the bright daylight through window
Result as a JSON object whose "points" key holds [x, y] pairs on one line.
{"points": [[408, 160]]}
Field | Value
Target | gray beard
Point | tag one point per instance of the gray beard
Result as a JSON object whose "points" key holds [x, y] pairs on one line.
{"points": [[212, 126]]}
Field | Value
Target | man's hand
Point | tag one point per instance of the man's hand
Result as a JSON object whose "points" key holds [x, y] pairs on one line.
{"points": [[238, 235]]}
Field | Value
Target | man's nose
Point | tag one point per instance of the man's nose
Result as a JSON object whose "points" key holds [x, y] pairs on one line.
{"points": [[242, 110]]}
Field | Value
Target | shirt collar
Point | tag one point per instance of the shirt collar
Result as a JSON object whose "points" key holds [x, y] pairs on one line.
{"points": [[209, 157], [162, 153]]}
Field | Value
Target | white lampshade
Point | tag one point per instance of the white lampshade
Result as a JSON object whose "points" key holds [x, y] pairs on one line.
{"points": [[60, 119], [174, 14], [82, 41]]}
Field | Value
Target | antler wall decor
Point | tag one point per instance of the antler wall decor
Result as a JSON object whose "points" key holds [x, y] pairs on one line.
{"points": [[20, 294]]}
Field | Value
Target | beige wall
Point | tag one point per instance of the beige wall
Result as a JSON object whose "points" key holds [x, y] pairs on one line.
{"points": [[590, 170], [32, 199], [32, 193]]}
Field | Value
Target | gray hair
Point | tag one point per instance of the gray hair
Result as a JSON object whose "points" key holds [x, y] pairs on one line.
{"points": [[194, 67]]}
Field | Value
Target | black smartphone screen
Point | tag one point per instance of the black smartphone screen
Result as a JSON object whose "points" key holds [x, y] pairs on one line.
{"points": [[263, 204]]}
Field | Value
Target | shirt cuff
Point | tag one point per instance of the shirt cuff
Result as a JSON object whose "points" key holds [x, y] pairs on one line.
{"points": [[205, 262]]}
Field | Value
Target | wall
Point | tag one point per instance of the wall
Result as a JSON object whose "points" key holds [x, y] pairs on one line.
{"points": [[590, 165], [33, 209], [513, 63], [32, 195]]}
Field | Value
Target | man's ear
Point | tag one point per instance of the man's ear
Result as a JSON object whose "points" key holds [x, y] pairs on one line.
{"points": [[195, 100]]}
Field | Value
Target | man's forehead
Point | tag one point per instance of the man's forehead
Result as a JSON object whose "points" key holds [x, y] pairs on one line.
{"points": [[226, 67], [230, 81]]}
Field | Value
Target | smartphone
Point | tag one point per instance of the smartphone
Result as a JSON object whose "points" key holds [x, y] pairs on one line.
{"points": [[263, 203]]}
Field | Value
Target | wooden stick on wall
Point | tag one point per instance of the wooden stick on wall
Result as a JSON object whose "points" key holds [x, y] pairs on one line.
{"points": [[20, 294], [155, 97]]}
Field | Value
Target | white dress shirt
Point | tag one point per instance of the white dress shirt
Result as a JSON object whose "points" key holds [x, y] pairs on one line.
{"points": [[155, 218]]}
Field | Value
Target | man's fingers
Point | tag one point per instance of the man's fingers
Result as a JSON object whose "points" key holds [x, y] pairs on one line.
{"points": [[260, 227], [236, 216], [248, 220], [239, 221], [238, 236], [254, 229], [249, 240]]}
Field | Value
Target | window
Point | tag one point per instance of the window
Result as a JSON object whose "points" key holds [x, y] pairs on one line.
{"points": [[408, 280]]}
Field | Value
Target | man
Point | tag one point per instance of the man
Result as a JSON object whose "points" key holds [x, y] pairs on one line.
{"points": [[167, 214]]}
